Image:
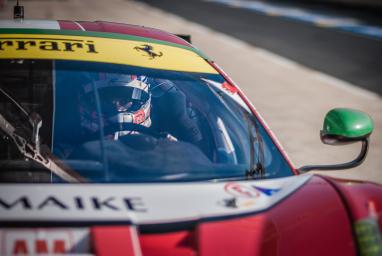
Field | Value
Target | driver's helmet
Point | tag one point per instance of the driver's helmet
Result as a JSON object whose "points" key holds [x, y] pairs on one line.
{"points": [[123, 100]]}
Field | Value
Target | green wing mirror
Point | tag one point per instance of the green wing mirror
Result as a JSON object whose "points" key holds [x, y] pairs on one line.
{"points": [[344, 126]]}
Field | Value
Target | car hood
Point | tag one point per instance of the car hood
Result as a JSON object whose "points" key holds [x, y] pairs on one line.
{"points": [[143, 203], [300, 215]]}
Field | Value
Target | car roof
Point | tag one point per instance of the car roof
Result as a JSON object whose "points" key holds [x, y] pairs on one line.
{"points": [[96, 26], [99, 29], [173, 45]]}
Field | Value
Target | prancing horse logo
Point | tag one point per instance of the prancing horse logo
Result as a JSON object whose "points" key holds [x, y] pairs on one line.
{"points": [[149, 50]]}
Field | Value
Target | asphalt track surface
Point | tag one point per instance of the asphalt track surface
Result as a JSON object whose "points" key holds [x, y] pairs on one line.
{"points": [[350, 57]]}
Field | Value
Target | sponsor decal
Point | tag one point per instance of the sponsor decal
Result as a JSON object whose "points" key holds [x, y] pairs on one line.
{"points": [[141, 203], [368, 236], [230, 88], [149, 50], [139, 117], [368, 232], [44, 241], [31, 243], [96, 203], [53, 44], [241, 190], [98, 49], [244, 195], [266, 191], [237, 203]]}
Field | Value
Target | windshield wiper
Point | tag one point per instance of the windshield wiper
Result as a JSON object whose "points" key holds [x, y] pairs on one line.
{"points": [[33, 118], [43, 157], [256, 169], [36, 152]]}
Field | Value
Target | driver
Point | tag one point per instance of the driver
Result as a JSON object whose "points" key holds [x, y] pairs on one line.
{"points": [[125, 101], [138, 111]]}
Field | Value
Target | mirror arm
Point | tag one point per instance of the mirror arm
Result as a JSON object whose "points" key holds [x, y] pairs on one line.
{"points": [[359, 160]]}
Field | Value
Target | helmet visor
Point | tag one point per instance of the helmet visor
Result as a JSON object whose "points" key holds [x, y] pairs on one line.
{"points": [[122, 99]]}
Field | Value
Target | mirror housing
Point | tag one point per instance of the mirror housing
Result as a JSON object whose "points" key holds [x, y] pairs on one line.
{"points": [[343, 126]]}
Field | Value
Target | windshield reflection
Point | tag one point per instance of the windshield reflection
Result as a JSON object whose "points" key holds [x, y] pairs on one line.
{"points": [[116, 123]]}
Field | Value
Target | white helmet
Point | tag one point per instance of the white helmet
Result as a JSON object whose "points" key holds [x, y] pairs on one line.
{"points": [[123, 100]]}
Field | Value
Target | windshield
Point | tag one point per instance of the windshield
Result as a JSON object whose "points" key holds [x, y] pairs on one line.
{"points": [[117, 123]]}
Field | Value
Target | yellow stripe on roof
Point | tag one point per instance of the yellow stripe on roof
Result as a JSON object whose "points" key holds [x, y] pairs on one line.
{"points": [[86, 48]]}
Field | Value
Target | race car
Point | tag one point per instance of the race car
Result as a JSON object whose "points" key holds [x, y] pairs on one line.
{"points": [[125, 140]]}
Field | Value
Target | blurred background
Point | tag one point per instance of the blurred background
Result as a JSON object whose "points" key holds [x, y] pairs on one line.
{"points": [[294, 59]]}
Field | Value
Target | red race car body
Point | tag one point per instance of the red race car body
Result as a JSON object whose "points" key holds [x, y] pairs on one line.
{"points": [[192, 208]]}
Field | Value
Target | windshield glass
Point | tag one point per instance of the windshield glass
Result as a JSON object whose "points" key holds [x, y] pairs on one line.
{"points": [[117, 123]]}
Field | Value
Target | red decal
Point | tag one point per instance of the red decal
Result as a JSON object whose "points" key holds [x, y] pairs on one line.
{"points": [[229, 87], [239, 190], [20, 247], [139, 117], [41, 246], [35, 242], [59, 246]]}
